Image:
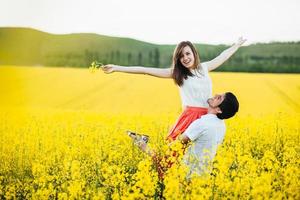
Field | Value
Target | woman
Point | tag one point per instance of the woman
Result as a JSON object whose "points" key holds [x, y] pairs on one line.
{"points": [[190, 75]]}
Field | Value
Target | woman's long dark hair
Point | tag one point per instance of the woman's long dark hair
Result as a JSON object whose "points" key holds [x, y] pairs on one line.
{"points": [[179, 71]]}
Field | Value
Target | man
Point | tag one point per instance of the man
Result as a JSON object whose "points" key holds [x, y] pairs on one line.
{"points": [[204, 134], [208, 132]]}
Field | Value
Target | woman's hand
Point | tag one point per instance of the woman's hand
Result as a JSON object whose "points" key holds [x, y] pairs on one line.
{"points": [[108, 68], [241, 41]]}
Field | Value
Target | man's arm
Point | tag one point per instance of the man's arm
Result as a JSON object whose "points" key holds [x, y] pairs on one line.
{"points": [[194, 131]]}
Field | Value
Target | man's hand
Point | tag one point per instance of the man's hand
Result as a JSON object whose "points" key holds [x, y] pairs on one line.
{"points": [[184, 139]]}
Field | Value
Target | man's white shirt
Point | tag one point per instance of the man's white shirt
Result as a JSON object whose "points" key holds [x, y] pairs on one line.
{"points": [[206, 134]]}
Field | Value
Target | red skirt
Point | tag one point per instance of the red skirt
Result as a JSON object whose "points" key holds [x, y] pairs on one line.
{"points": [[189, 115]]}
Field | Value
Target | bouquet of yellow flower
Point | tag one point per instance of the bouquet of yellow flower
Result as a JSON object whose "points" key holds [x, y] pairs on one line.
{"points": [[95, 65]]}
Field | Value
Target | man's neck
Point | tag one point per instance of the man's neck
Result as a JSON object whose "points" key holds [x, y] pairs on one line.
{"points": [[211, 111]]}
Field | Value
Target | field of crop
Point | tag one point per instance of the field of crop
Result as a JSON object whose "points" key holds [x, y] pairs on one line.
{"points": [[62, 135]]}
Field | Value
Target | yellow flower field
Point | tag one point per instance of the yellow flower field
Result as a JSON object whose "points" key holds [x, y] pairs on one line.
{"points": [[63, 136]]}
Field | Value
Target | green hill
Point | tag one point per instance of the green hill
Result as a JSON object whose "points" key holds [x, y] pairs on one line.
{"points": [[25, 46]]}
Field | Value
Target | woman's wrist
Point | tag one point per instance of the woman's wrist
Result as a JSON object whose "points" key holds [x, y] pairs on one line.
{"points": [[115, 68], [237, 45]]}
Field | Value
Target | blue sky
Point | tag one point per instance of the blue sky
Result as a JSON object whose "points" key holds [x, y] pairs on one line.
{"points": [[161, 21]]}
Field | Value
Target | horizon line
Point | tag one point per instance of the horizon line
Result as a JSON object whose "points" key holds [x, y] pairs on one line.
{"points": [[132, 38]]}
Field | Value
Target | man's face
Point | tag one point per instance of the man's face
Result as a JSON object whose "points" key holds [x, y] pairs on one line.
{"points": [[215, 101]]}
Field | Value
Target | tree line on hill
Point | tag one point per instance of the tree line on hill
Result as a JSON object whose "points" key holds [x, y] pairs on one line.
{"points": [[153, 58], [25, 46]]}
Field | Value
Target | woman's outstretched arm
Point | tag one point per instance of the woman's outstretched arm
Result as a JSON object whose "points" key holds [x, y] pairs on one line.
{"points": [[157, 72], [225, 55]]}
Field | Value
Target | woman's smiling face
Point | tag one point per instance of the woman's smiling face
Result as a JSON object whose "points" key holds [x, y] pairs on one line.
{"points": [[187, 58]]}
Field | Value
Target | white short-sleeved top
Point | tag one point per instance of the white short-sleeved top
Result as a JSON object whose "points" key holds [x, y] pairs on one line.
{"points": [[206, 134], [196, 89]]}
